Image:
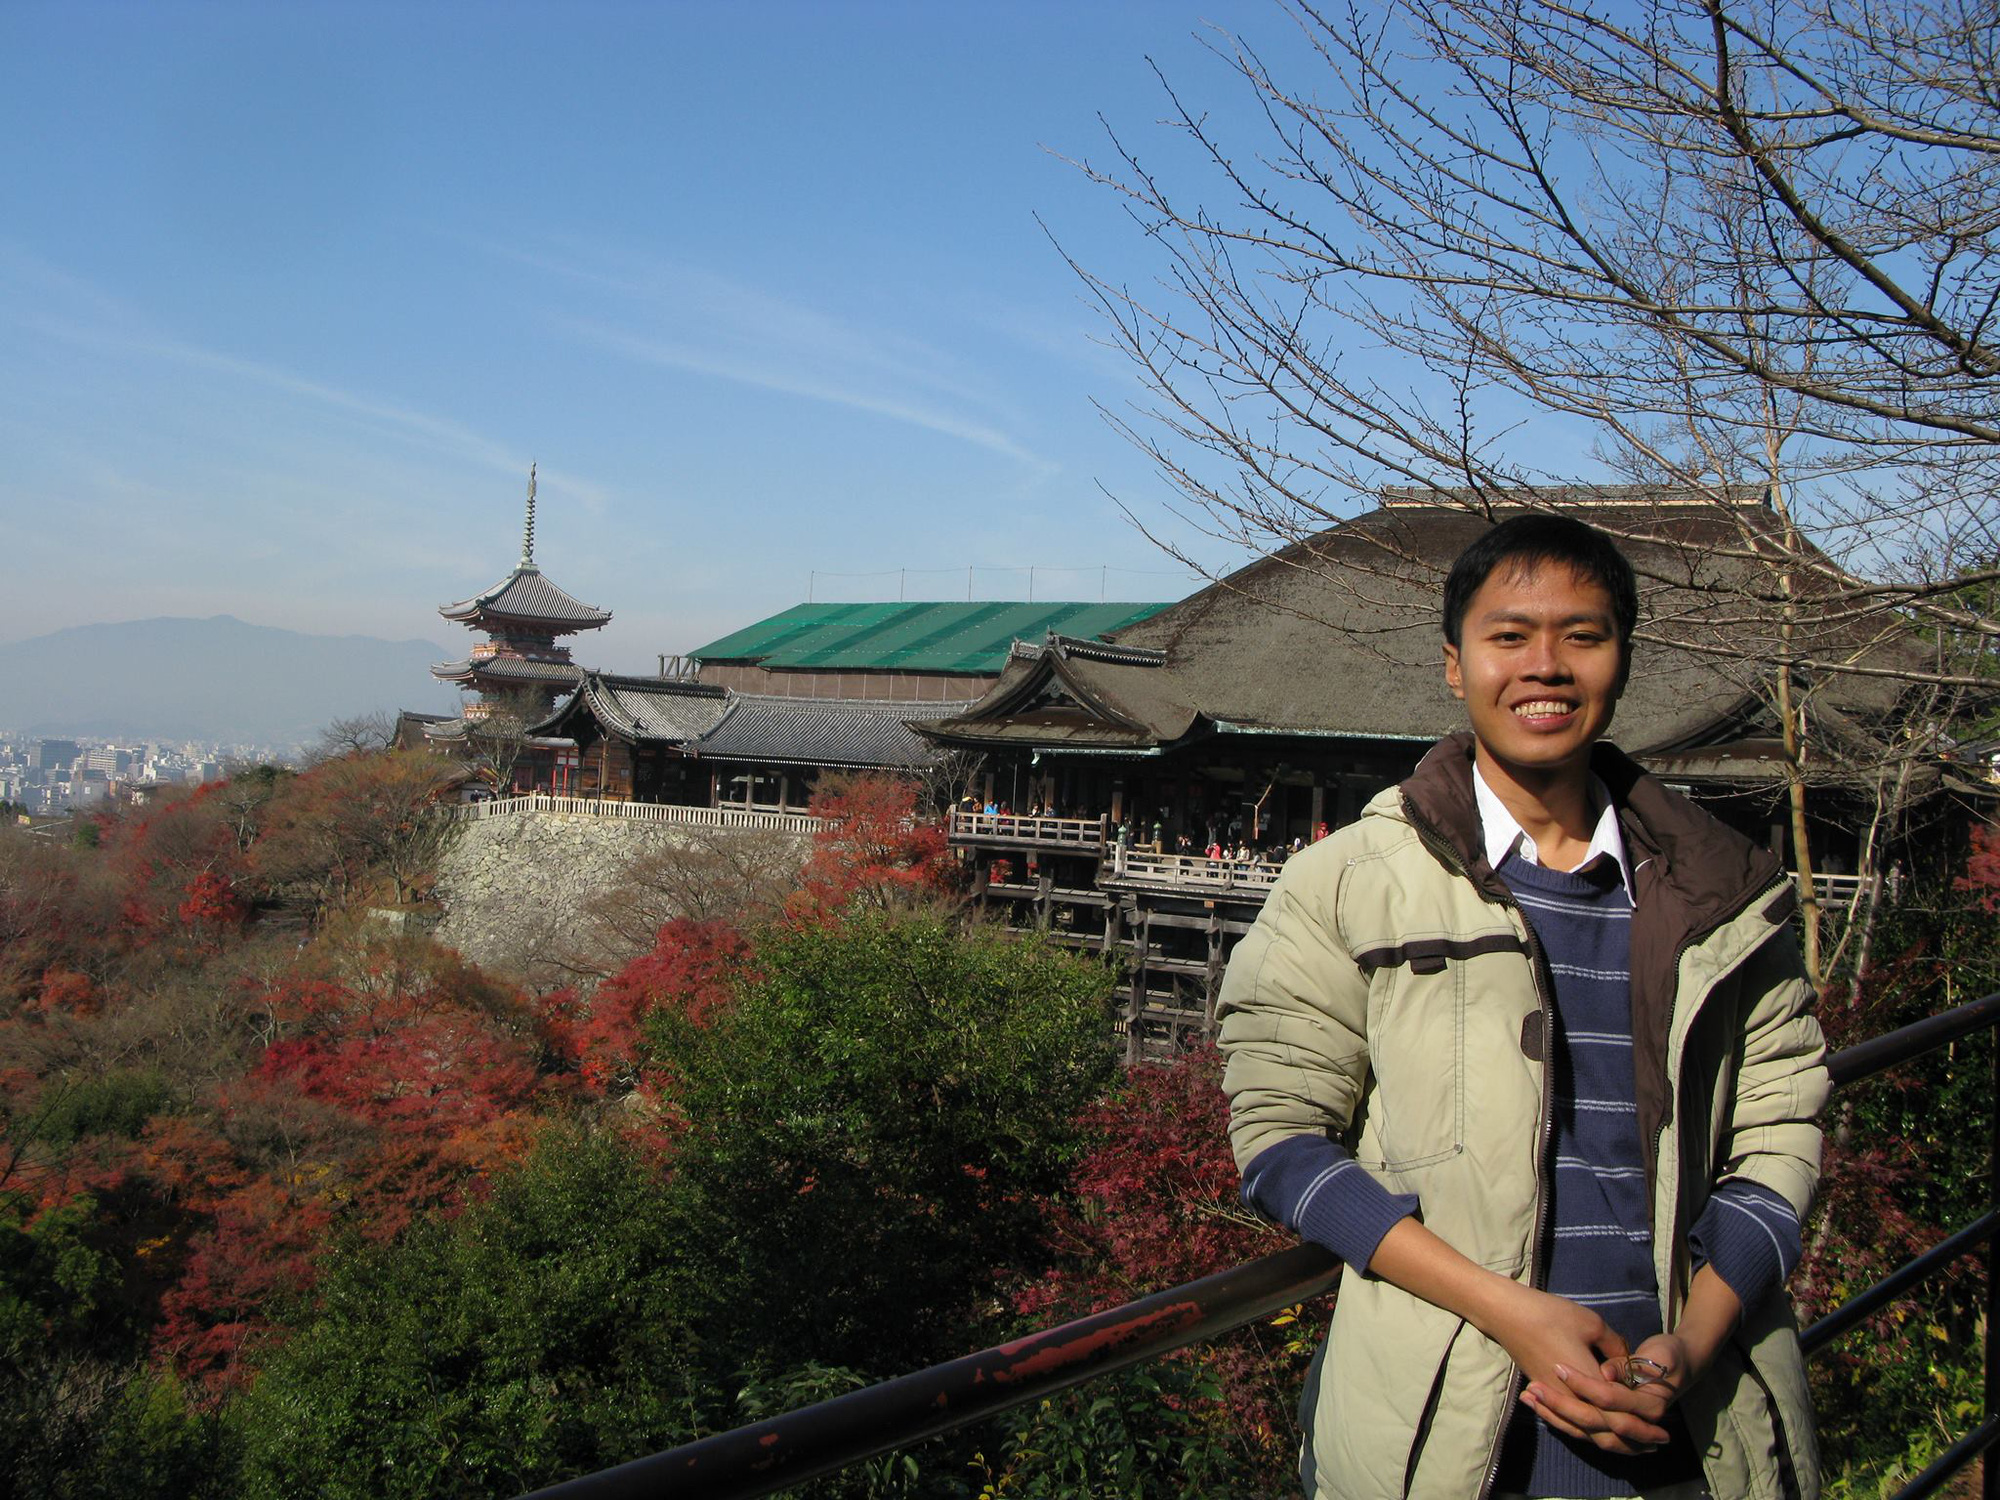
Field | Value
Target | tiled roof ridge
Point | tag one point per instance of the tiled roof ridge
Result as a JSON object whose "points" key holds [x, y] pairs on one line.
{"points": [[872, 705], [676, 685], [1106, 651], [1573, 496]]}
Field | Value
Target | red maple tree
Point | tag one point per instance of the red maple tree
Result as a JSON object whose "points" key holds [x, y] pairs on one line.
{"points": [[873, 851]]}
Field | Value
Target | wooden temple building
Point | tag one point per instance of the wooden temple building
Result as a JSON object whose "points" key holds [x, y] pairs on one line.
{"points": [[651, 739], [1268, 708], [752, 720]]}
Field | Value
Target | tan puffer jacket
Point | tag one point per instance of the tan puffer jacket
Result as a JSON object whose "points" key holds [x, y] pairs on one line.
{"points": [[1388, 996]]}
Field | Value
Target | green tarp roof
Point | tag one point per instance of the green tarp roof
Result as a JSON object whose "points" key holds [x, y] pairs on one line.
{"points": [[931, 637]]}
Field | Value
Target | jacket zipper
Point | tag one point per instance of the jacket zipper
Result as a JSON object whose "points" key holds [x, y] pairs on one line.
{"points": [[1545, 1132], [1675, 1295], [1545, 1118]]}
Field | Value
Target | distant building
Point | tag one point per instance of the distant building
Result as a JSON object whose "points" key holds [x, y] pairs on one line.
{"points": [[52, 755], [112, 760], [87, 789], [651, 739], [926, 652]]}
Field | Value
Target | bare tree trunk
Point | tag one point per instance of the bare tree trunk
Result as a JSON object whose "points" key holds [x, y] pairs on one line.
{"points": [[1795, 797], [1790, 711]]}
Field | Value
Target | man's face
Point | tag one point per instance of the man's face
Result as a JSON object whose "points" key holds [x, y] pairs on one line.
{"points": [[1539, 669]]}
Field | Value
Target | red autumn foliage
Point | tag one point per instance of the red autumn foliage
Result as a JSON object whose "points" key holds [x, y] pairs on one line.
{"points": [[1982, 870], [1157, 1195], [211, 901], [1156, 1204], [875, 851], [68, 991], [1864, 1231], [694, 969], [178, 857], [433, 1075], [259, 1251]]}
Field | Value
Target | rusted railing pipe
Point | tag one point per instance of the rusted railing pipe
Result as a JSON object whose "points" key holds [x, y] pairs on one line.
{"points": [[1949, 1462], [1881, 1053], [1864, 1305], [797, 1446]]}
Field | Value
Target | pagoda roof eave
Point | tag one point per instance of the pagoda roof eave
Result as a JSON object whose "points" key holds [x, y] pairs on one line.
{"points": [[526, 596]]}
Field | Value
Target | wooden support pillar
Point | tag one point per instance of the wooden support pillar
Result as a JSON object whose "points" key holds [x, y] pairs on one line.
{"points": [[1135, 1005], [1318, 814], [1212, 980]]}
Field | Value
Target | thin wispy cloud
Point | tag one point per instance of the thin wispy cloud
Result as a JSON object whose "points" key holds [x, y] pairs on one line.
{"points": [[58, 305], [773, 376], [728, 330]]}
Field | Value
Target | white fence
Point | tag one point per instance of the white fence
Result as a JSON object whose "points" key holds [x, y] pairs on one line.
{"points": [[642, 812], [1840, 890], [1192, 872], [1076, 833]]}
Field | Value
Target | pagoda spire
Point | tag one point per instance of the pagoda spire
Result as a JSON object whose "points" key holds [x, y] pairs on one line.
{"points": [[528, 532]]}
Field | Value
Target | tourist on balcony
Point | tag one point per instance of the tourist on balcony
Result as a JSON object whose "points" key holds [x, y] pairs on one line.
{"points": [[1527, 1046]]}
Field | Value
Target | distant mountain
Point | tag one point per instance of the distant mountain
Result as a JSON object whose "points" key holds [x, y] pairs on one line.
{"points": [[217, 679]]}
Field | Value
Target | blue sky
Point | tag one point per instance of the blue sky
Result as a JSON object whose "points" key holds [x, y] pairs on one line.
{"points": [[291, 294]]}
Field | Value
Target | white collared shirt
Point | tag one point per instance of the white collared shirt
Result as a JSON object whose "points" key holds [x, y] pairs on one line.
{"points": [[1503, 835]]}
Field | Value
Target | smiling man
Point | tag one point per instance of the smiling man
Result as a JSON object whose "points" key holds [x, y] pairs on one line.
{"points": [[1527, 1046]]}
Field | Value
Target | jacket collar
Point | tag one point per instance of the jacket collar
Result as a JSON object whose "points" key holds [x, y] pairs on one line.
{"points": [[1501, 834], [1677, 852], [1692, 874]]}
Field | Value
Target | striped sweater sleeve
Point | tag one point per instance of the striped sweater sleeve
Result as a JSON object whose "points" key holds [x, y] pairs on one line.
{"points": [[1313, 1187], [1750, 1235]]}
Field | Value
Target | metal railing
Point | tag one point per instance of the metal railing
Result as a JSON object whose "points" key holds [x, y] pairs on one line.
{"points": [[640, 812], [801, 1445]]}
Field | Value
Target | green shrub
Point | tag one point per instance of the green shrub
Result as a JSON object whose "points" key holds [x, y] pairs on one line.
{"points": [[117, 1103], [528, 1340]]}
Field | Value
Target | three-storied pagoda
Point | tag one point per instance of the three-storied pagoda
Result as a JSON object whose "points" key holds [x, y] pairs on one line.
{"points": [[523, 666]]}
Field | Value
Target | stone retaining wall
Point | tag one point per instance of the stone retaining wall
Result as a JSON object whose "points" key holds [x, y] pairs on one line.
{"points": [[515, 889]]}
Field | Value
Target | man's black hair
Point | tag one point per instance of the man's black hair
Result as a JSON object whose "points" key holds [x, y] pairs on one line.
{"points": [[1532, 541]]}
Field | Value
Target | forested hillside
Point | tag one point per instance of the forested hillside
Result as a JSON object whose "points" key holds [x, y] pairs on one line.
{"points": [[295, 1203]]}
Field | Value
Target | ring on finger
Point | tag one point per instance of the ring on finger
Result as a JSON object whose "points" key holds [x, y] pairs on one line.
{"points": [[1641, 1371]]}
